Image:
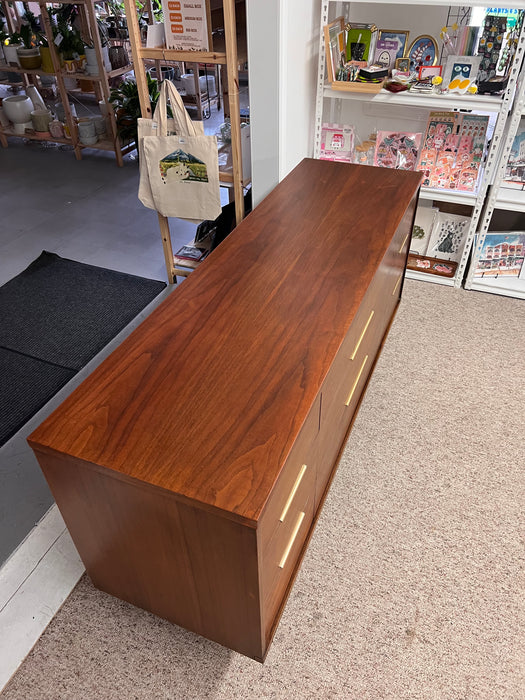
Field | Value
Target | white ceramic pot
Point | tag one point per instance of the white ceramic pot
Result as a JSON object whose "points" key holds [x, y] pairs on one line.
{"points": [[91, 56], [86, 131], [11, 53], [17, 109]]}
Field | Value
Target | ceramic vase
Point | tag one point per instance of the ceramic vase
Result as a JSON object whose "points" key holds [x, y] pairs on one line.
{"points": [[17, 109]]}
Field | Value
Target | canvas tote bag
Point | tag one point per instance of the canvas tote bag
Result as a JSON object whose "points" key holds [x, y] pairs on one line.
{"points": [[179, 166]]}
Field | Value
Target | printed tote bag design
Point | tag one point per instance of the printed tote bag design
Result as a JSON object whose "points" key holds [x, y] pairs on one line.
{"points": [[179, 165]]}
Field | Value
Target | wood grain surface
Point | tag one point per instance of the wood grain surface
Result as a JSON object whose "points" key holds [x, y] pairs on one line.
{"points": [[206, 397]]}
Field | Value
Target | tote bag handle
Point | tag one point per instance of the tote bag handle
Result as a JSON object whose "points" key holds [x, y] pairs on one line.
{"points": [[181, 119]]}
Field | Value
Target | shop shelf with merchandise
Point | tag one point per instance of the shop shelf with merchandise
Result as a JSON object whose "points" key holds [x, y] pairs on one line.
{"points": [[99, 81], [503, 220], [407, 111]]}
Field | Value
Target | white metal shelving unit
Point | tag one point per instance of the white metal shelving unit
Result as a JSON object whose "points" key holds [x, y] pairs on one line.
{"points": [[331, 103], [502, 198]]}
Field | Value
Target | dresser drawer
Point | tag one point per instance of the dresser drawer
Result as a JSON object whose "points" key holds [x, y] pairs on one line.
{"points": [[286, 520]]}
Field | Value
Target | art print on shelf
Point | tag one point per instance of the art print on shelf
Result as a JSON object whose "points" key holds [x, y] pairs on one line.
{"points": [[397, 149], [515, 170], [429, 72], [460, 73], [403, 65], [448, 238], [502, 255], [400, 36], [423, 223], [386, 51], [361, 42], [337, 142], [422, 52]]}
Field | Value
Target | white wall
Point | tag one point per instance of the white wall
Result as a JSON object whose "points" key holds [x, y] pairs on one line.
{"points": [[283, 41]]}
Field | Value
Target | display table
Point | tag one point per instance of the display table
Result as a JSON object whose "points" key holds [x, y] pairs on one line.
{"points": [[190, 467]]}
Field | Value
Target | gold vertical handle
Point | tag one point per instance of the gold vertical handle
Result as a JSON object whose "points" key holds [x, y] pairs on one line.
{"points": [[403, 244], [362, 336], [292, 540], [397, 284], [292, 493], [356, 381]]}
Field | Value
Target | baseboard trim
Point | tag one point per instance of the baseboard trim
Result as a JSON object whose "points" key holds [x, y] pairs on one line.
{"points": [[34, 582]]}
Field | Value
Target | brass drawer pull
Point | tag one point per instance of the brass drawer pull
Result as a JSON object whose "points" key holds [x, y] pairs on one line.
{"points": [[397, 283], [292, 540], [292, 493], [362, 336], [403, 244], [356, 381]]}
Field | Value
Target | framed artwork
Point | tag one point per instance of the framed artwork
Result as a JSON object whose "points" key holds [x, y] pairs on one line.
{"points": [[400, 36], [403, 64], [423, 51], [460, 72], [361, 41], [428, 72], [334, 43], [502, 255]]}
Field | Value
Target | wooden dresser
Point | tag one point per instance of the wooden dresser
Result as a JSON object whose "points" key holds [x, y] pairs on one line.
{"points": [[190, 467]]}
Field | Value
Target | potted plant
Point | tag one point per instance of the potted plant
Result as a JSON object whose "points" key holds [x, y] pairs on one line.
{"points": [[71, 46], [126, 103], [29, 54]]}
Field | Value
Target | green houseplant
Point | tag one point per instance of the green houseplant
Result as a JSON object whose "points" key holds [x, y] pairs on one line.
{"points": [[126, 103], [29, 53]]}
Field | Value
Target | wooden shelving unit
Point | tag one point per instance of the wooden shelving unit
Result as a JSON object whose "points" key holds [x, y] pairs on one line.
{"points": [[226, 56], [100, 82], [394, 111]]}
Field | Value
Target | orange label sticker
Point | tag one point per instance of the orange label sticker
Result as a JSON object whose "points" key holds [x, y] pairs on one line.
{"points": [[177, 29], [173, 5], [175, 17]]}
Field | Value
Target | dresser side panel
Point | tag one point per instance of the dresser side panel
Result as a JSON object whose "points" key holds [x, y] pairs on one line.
{"points": [[179, 562]]}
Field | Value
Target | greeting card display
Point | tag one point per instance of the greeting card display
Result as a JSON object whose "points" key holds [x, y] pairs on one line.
{"points": [[452, 150], [337, 142], [448, 236], [397, 149], [502, 255], [423, 224], [460, 72], [515, 170]]}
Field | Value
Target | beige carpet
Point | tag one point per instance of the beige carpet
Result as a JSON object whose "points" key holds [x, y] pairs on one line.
{"points": [[413, 585]]}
